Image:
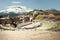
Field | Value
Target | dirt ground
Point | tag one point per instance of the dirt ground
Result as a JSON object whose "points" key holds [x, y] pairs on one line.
{"points": [[29, 35]]}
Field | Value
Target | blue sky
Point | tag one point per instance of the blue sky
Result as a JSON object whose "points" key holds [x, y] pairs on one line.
{"points": [[33, 4]]}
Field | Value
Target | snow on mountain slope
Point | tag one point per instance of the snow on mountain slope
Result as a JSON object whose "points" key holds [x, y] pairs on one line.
{"points": [[16, 9]]}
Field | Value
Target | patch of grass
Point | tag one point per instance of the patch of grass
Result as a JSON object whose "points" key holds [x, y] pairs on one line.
{"points": [[57, 26], [39, 17]]}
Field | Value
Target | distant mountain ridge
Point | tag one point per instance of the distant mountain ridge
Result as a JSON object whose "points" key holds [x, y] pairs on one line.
{"points": [[46, 12]]}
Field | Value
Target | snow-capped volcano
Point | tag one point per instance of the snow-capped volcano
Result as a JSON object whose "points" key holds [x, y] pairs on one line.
{"points": [[15, 9]]}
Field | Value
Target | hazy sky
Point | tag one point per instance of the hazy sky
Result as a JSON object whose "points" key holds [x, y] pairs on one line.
{"points": [[33, 4]]}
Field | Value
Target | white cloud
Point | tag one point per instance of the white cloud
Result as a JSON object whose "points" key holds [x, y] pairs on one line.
{"points": [[16, 2], [10, 6]]}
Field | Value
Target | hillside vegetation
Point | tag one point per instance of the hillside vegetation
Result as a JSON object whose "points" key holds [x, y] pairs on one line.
{"points": [[51, 18]]}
